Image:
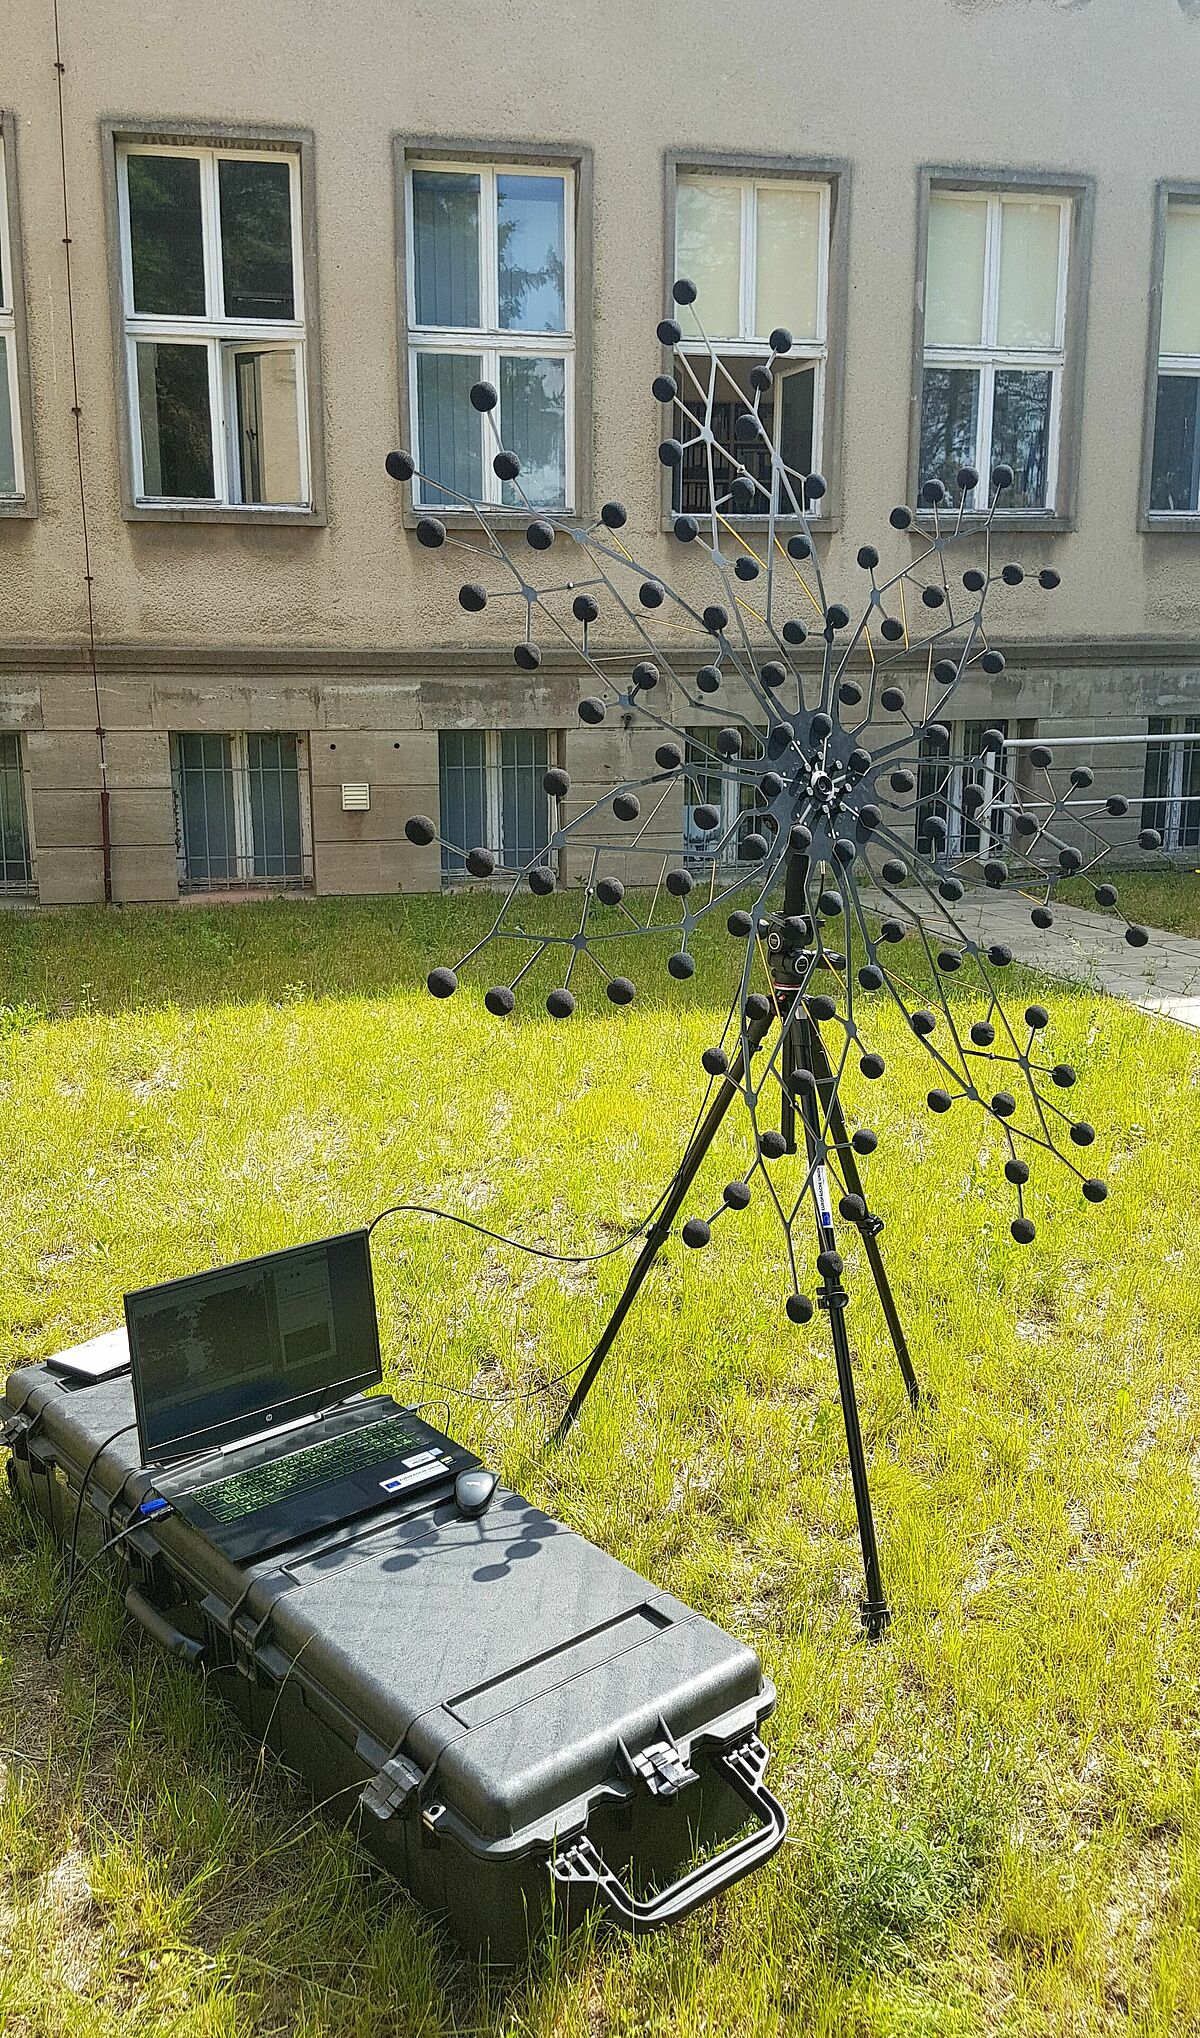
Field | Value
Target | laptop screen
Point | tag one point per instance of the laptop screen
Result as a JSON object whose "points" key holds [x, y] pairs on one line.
{"points": [[218, 1356]]}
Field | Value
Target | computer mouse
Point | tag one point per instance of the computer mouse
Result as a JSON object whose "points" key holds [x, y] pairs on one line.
{"points": [[473, 1491]]}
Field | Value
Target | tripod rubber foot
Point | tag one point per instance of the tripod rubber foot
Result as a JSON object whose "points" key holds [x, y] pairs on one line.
{"points": [[876, 1615]]}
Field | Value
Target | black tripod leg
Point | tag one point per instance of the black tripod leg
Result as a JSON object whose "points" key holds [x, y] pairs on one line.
{"points": [[833, 1298], [659, 1231], [868, 1227]]}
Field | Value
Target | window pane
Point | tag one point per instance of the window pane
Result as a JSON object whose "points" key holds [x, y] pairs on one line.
{"points": [[789, 243], [275, 807], [954, 271], [463, 796], [256, 238], [795, 390], [1181, 282], [1156, 777], [796, 393], [15, 866], [1189, 786], [8, 458], [165, 237], [1021, 434], [1173, 476], [206, 801], [949, 423], [533, 424], [708, 240], [524, 811], [446, 248], [1029, 237], [529, 236], [267, 423], [449, 431], [177, 454]]}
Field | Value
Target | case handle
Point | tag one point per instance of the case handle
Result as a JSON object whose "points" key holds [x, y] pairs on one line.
{"points": [[170, 1638], [744, 1767]]}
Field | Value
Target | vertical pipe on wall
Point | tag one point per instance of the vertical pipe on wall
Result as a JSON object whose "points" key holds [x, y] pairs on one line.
{"points": [[76, 413]]}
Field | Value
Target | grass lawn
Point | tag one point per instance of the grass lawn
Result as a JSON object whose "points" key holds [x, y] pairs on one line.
{"points": [[995, 1813], [1169, 899]]}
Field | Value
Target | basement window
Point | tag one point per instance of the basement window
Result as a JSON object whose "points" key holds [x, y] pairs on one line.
{"points": [[242, 815], [492, 796]]}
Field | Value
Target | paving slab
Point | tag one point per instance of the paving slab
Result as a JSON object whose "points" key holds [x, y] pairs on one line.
{"points": [[1083, 947]]}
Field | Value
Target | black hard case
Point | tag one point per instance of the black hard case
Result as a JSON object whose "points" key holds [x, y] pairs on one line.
{"points": [[516, 1722]]}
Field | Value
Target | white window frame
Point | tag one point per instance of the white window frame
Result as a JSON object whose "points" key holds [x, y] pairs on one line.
{"points": [[489, 340], [1181, 365], [8, 332], [243, 814], [746, 343], [987, 357], [220, 335]]}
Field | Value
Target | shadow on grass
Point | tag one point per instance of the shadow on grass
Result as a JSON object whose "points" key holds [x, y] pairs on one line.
{"points": [[283, 951]]}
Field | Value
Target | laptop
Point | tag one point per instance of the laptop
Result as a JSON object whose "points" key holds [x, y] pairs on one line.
{"points": [[253, 1411]]}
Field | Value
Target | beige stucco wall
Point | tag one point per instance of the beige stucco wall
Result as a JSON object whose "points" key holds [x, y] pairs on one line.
{"points": [[1105, 88]]}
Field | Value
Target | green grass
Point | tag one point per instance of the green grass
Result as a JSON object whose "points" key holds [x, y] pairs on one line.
{"points": [[995, 1814], [1169, 899]]}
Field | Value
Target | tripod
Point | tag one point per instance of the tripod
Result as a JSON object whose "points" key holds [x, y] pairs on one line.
{"points": [[809, 1093]]}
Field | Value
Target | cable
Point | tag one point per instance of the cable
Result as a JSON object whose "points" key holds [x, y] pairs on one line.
{"points": [[89, 578], [518, 1245], [57, 1630], [89, 1468]]}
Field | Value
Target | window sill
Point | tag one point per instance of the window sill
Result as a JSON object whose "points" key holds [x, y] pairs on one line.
{"points": [[821, 527], [1022, 523], [17, 506], [496, 517], [1170, 523], [219, 513]]}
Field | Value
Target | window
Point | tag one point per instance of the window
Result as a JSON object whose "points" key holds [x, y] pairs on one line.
{"points": [[1171, 788], [995, 341], [757, 249], [491, 298], [963, 790], [707, 784], [16, 857], [214, 326], [492, 796], [1175, 458], [241, 811], [12, 465]]}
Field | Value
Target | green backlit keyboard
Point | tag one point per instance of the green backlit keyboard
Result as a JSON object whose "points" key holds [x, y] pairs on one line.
{"points": [[316, 1465]]}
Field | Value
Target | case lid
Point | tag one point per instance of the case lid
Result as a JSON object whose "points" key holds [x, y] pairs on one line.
{"points": [[506, 1658]]}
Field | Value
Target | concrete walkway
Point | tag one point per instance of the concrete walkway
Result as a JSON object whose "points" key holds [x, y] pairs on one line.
{"points": [[1085, 947]]}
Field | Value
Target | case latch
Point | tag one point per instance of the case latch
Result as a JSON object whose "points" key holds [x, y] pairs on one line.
{"points": [[661, 1766], [395, 1785]]}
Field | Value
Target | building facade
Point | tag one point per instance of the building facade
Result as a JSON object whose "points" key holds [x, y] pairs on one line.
{"points": [[243, 253]]}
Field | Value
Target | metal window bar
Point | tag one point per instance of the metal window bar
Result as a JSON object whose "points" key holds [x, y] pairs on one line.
{"points": [[16, 858], [240, 812]]}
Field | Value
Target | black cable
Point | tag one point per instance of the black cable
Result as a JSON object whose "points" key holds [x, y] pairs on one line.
{"points": [[57, 1630], [518, 1245], [90, 1467]]}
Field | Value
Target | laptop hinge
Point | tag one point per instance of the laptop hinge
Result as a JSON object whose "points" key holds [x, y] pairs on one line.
{"points": [[263, 1436]]}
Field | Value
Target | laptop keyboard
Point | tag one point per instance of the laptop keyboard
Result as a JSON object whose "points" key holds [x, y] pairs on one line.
{"points": [[246, 1493]]}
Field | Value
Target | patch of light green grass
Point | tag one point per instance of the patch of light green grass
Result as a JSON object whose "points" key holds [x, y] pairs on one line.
{"points": [[995, 1814]]}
